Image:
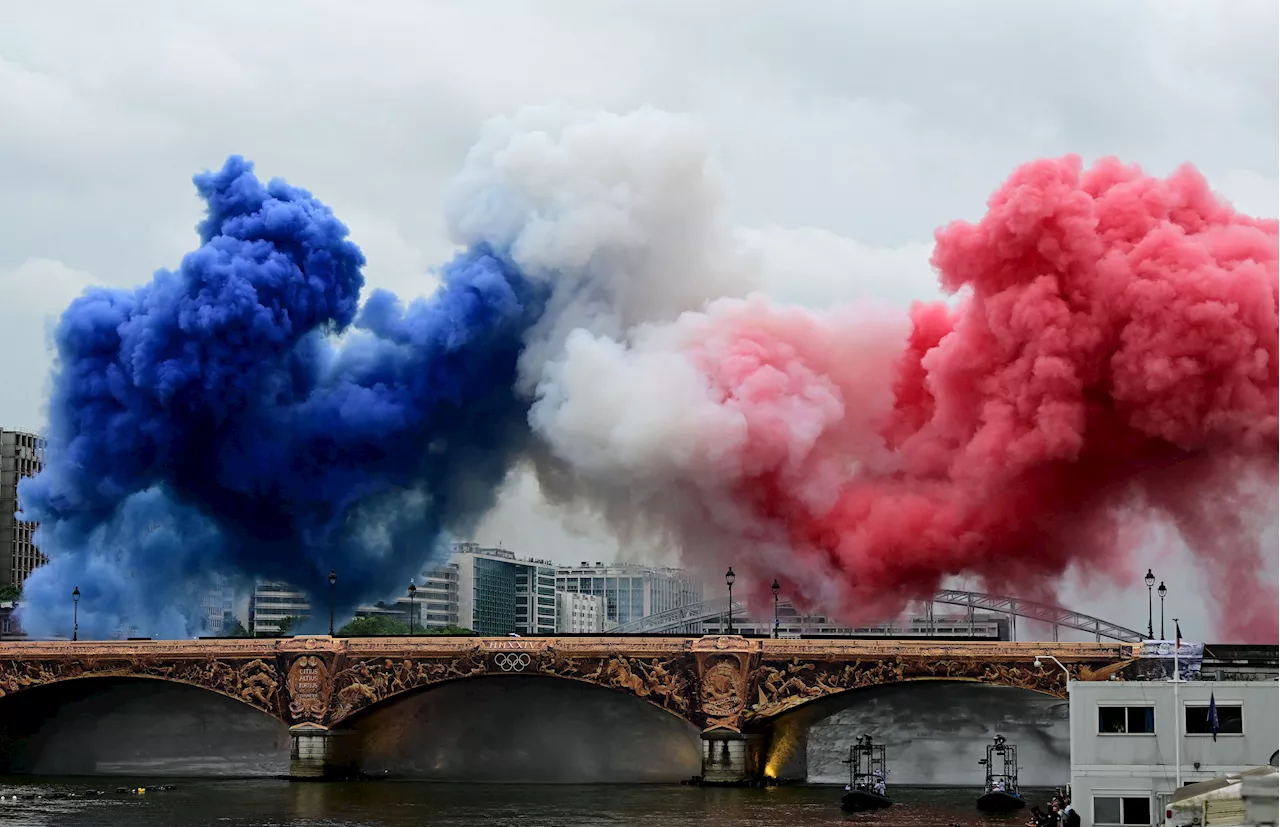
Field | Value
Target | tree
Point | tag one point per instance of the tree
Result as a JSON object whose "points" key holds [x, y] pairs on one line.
{"points": [[374, 626], [448, 630], [232, 627], [287, 625], [10, 592]]}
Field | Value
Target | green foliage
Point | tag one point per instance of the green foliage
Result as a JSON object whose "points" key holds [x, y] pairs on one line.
{"points": [[449, 630], [384, 626], [232, 627], [287, 625], [10, 592], [374, 626]]}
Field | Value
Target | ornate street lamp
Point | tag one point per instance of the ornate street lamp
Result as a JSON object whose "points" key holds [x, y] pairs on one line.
{"points": [[412, 591], [75, 614], [1162, 591], [333, 582], [729, 577], [776, 588], [1150, 580]]}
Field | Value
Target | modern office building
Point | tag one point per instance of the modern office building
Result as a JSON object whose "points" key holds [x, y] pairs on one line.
{"points": [[221, 608], [536, 598], [272, 603], [631, 591], [435, 601], [1129, 738], [21, 455], [499, 593], [579, 613]]}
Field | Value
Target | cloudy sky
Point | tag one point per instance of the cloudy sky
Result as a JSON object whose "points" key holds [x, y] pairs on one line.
{"points": [[859, 127]]}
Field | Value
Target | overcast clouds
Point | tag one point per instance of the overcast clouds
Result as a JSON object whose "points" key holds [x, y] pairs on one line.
{"points": [[855, 128]]}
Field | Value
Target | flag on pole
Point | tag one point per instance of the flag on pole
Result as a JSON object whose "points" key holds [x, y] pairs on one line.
{"points": [[1213, 716], [1177, 647]]}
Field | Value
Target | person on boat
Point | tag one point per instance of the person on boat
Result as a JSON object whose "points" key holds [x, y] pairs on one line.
{"points": [[880, 787], [999, 786]]}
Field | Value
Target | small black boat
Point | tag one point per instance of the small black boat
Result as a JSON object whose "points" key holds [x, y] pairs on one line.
{"points": [[867, 789], [1000, 794]]}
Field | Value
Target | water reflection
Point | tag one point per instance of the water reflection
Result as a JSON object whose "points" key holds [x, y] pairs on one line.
{"points": [[277, 803]]}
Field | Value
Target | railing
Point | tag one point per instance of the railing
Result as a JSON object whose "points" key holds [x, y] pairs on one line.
{"points": [[1056, 616]]}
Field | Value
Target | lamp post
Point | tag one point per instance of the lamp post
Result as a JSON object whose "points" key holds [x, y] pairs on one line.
{"points": [[75, 614], [1071, 730], [333, 582], [729, 577], [776, 589], [412, 591], [1150, 580], [1162, 591]]}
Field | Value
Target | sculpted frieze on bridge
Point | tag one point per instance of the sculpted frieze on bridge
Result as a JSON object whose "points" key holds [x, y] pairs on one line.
{"points": [[815, 672], [714, 682], [254, 681], [665, 677]]}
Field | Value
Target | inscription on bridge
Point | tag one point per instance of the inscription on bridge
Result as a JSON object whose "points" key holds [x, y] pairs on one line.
{"points": [[717, 682], [308, 688], [519, 644]]}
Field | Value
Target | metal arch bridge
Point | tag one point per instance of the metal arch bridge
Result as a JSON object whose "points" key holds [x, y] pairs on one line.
{"points": [[674, 620]]}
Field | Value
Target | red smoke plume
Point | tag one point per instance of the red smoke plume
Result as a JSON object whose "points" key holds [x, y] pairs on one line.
{"points": [[1114, 364]]}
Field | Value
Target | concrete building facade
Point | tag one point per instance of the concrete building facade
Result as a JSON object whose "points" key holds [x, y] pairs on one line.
{"points": [[272, 603], [221, 607], [435, 603], [21, 455], [1125, 736], [631, 591], [579, 613]]}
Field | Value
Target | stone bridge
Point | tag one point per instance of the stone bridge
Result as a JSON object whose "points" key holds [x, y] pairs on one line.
{"points": [[730, 687]]}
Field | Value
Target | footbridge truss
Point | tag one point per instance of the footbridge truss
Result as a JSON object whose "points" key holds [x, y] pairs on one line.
{"points": [[676, 620]]}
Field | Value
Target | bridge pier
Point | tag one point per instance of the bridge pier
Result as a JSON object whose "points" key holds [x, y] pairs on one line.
{"points": [[320, 754], [732, 759]]}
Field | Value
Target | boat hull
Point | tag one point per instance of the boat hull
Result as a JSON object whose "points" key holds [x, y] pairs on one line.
{"points": [[859, 800], [1000, 802]]}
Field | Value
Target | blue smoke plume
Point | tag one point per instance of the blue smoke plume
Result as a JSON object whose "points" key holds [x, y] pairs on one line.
{"points": [[211, 421]]}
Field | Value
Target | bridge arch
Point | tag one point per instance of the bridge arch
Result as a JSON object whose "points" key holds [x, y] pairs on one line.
{"points": [[139, 725], [520, 728], [684, 617], [935, 732], [254, 682]]}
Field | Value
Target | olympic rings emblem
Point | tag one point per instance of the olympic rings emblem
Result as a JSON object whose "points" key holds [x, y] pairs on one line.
{"points": [[509, 662]]}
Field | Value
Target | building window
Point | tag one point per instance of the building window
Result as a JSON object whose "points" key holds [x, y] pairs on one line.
{"points": [[1230, 719], [1126, 720], [1122, 810]]}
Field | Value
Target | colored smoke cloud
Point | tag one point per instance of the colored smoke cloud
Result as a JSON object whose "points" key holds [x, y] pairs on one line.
{"points": [[208, 423], [1108, 367], [245, 416], [1112, 367]]}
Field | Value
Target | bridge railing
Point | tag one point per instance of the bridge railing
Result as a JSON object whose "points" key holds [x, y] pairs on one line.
{"points": [[1058, 617]]}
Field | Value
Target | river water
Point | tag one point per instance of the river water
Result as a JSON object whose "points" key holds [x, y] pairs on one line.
{"points": [[279, 803]]}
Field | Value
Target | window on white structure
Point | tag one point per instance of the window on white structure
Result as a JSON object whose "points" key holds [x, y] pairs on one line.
{"points": [[1126, 720], [1122, 810], [1230, 719]]}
